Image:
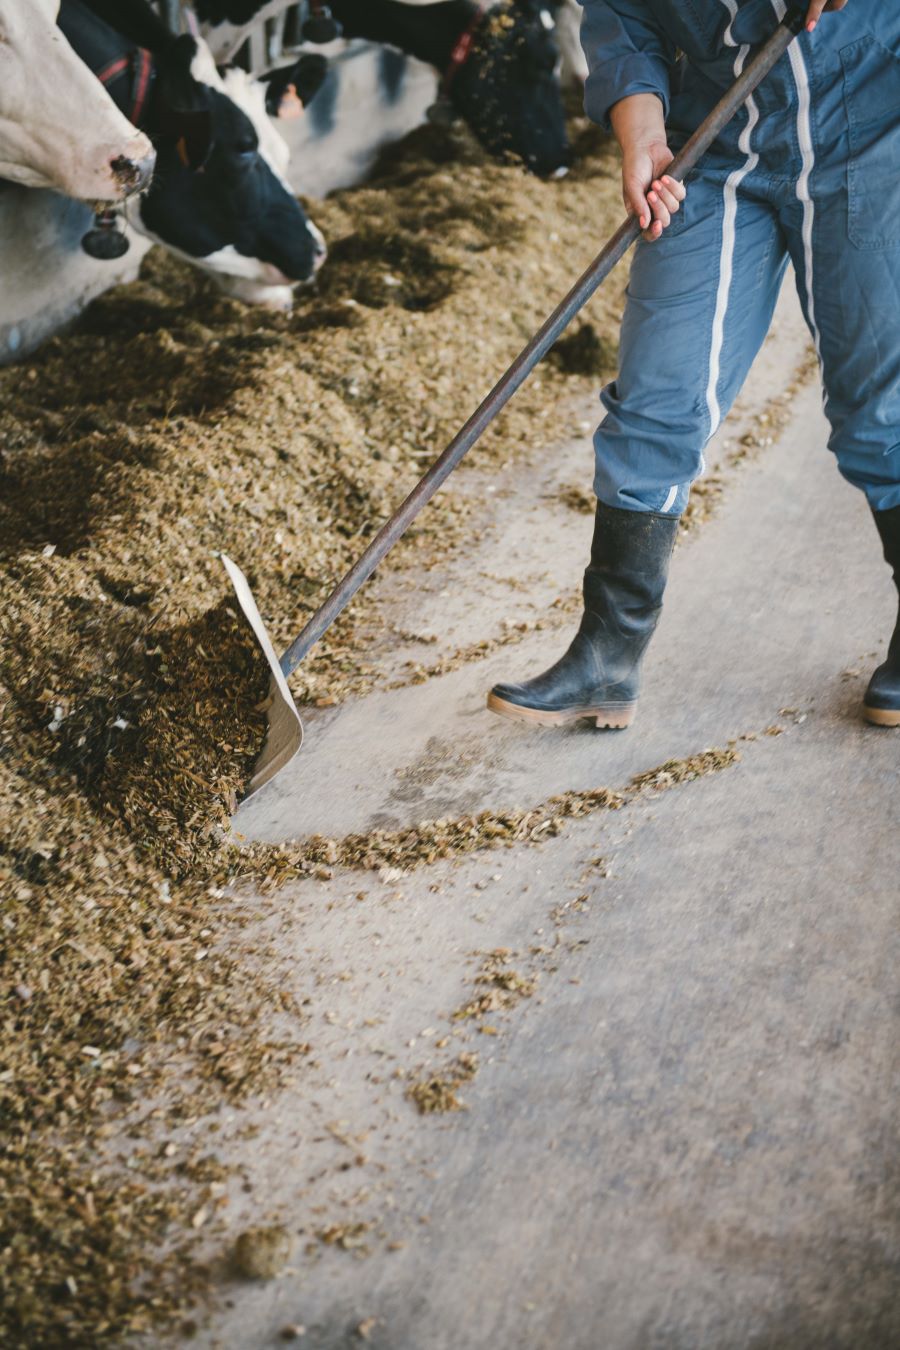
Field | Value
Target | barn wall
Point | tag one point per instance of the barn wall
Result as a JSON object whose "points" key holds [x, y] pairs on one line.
{"points": [[371, 96]]}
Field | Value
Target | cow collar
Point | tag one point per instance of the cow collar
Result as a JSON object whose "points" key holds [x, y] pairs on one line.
{"points": [[462, 50], [123, 67], [138, 63]]}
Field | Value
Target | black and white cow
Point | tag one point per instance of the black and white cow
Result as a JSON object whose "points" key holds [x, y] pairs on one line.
{"points": [[219, 198], [498, 63], [58, 128]]}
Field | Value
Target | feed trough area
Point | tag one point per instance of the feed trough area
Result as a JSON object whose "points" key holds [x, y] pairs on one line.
{"points": [[459, 1032]]}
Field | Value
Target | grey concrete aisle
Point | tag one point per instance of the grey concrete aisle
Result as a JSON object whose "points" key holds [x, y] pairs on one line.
{"points": [[769, 604], [682, 1132]]}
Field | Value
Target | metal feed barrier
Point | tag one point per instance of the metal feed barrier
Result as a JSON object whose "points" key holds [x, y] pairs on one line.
{"points": [[270, 39], [273, 37]]}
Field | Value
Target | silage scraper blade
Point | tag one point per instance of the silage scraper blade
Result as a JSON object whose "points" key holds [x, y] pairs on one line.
{"points": [[285, 732]]}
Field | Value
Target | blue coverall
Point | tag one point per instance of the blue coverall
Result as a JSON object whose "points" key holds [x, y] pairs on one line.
{"points": [[808, 171]]}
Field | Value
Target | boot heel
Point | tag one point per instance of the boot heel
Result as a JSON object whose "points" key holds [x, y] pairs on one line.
{"points": [[881, 717], [616, 718]]}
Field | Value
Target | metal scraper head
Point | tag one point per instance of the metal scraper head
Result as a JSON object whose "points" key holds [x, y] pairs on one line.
{"points": [[285, 731]]}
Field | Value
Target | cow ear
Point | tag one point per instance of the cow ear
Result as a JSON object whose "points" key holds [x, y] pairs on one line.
{"points": [[294, 85], [194, 142], [184, 108], [181, 91], [192, 133]]}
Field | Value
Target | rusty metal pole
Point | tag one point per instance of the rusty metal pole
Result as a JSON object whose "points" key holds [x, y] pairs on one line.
{"points": [[540, 344]]}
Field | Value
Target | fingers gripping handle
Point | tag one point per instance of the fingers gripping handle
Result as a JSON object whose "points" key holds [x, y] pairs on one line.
{"points": [[538, 347]]}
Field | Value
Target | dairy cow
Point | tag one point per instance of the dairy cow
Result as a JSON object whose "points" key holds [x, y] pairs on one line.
{"points": [[498, 64], [58, 128], [219, 198]]}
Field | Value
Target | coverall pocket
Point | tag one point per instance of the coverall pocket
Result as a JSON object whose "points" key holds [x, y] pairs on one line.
{"points": [[872, 98]]}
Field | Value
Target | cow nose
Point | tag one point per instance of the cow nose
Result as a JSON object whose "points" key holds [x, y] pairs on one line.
{"points": [[134, 171]]}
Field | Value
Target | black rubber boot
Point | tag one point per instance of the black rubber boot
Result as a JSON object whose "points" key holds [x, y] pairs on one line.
{"points": [[882, 701], [599, 676]]}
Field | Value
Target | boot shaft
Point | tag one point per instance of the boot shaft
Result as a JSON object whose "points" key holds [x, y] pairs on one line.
{"points": [[629, 566], [888, 526]]}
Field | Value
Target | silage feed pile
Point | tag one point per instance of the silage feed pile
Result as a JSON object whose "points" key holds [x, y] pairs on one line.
{"points": [[170, 424]]}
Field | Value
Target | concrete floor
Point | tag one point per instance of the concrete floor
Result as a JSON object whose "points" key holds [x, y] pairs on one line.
{"points": [[687, 1138]]}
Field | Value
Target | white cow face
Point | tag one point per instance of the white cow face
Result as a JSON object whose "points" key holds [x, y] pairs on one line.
{"points": [[58, 126]]}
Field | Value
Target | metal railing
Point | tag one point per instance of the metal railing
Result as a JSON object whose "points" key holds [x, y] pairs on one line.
{"points": [[274, 34]]}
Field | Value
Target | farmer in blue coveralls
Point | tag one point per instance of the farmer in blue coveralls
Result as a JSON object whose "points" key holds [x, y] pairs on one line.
{"points": [[809, 172]]}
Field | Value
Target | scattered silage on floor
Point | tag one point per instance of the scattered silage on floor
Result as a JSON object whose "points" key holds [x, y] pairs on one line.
{"points": [[169, 424]]}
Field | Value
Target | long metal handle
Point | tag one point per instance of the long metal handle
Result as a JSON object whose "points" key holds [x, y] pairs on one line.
{"points": [[538, 347]]}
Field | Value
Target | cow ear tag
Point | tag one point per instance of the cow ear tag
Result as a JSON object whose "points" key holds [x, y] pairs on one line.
{"points": [[107, 240], [290, 104], [321, 26]]}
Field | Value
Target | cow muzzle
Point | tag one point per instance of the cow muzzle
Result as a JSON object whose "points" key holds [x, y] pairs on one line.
{"points": [[132, 171]]}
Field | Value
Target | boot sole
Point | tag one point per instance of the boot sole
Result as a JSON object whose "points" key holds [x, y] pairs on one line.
{"points": [[612, 717], [881, 717]]}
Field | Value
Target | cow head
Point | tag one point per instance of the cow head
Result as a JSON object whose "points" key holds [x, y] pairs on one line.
{"points": [[509, 91], [58, 127], [220, 198]]}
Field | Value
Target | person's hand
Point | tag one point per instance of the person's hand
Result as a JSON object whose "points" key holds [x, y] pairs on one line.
{"points": [[648, 191], [819, 7]]}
